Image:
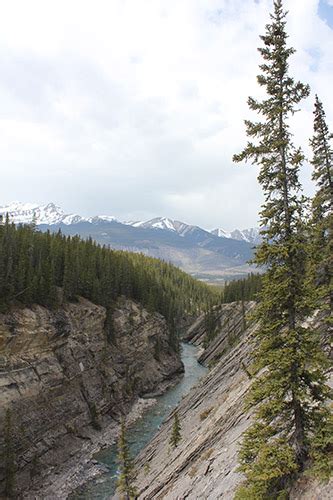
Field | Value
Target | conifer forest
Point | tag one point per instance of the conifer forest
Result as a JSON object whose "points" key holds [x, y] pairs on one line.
{"points": [[142, 357]]}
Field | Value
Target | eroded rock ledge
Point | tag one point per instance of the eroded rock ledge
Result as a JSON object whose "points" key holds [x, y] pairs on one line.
{"points": [[62, 379], [204, 464]]}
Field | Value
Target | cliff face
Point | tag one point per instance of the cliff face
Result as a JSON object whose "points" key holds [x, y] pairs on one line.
{"points": [[212, 420], [230, 323], [204, 464], [61, 379]]}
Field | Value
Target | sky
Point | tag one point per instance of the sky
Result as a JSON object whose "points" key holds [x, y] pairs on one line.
{"points": [[135, 107]]}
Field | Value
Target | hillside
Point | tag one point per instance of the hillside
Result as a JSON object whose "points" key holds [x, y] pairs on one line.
{"points": [[212, 418], [64, 385], [197, 252], [84, 332], [210, 255], [40, 268]]}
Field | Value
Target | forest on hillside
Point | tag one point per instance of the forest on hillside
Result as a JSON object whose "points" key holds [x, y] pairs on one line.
{"points": [[44, 268]]}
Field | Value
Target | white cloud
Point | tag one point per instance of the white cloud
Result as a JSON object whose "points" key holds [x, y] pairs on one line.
{"points": [[135, 107]]}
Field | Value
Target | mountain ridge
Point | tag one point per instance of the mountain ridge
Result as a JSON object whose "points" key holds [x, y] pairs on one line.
{"points": [[51, 214], [251, 234], [197, 251]]}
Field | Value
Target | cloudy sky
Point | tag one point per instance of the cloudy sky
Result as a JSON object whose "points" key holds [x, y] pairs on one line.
{"points": [[135, 107]]}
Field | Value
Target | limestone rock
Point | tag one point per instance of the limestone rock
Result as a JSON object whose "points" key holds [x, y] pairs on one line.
{"points": [[63, 379], [212, 418], [204, 464]]}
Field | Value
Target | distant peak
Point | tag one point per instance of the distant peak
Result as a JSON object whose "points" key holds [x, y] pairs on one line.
{"points": [[221, 233], [51, 213], [48, 214], [251, 235]]}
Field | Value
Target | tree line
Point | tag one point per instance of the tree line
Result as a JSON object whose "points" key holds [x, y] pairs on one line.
{"points": [[47, 269], [244, 289]]}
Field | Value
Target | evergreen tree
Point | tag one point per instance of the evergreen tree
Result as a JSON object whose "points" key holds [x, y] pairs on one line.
{"points": [[322, 208], [288, 394], [34, 264], [33, 223], [244, 289], [176, 431], [126, 467]]}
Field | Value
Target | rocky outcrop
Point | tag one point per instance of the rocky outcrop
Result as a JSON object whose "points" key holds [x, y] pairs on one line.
{"points": [[230, 322], [205, 462], [62, 379]]}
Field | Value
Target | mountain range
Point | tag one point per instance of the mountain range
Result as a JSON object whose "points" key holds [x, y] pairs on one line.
{"points": [[45, 214], [211, 255]]}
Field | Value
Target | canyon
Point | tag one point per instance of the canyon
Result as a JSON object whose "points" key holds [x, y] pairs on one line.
{"points": [[204, 465], [63, 381], [68, 385]]}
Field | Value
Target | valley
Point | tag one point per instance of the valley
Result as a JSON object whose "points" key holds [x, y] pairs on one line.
{"points": [[72, 369], [166, 333], [213, 417], [144, 429], [211, 256], [62, 382]]}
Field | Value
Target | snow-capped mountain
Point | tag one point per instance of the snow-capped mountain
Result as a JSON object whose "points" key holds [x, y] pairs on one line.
{"points": [[156, 223], [217, 255], [51, 214], [167, 224], [251, 235], [46, 214], [221, 233]]}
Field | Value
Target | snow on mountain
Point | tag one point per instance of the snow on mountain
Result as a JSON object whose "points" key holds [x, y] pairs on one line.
{"points": [[50, 214], [46, 214], [165, 223], [99, 218], [106, 218], [221, 233], [156, 223], [26, 212], [251, 235]]}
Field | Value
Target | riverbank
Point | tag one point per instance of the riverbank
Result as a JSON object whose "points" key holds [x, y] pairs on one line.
{"points": [[90, 473], [62, 380], [83, 467], [142, 431]]}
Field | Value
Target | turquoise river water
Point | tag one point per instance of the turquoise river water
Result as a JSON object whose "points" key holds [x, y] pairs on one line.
{"points": [[142, 431]]}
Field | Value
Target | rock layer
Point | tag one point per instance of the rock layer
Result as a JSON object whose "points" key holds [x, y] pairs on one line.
{"points": [[204, 464], [61, 379], [212, 418]]}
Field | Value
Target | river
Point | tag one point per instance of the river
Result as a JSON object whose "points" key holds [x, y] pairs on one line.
{"points": [[142, 431]]}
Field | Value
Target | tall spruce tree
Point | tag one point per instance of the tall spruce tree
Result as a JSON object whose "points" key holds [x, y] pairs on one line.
{"points": [[322, 209], [126, 467], [290, 388]]}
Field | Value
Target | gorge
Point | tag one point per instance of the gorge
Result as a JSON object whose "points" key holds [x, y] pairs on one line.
{"points": [[62, 382], [67, 387], [89, 335]]}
